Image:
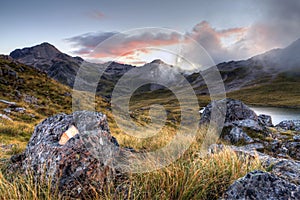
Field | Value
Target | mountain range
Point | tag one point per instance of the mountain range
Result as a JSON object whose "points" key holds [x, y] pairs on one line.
{"points": [[236, 75]]}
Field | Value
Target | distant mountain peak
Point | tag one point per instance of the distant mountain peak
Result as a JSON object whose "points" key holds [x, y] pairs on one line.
{"points": [[158, 61], [47, 58], [43, 50], [46, 45]]}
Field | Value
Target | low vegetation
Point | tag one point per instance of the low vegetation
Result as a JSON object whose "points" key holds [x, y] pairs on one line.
{"points": [[282, 91], [190, 177]]}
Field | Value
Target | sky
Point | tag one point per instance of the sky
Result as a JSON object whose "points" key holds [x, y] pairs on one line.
{"points": [[226, 29]]}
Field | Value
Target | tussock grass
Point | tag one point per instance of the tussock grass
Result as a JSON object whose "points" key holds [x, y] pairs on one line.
{"points": [[190, 177], [24, 187]]}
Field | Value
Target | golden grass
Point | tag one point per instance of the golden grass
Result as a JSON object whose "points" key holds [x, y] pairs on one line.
{"points": [[190, 177], [281, 92]]}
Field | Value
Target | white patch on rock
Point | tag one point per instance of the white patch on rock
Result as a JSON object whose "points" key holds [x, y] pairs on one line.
{"points": [[71, 132]]}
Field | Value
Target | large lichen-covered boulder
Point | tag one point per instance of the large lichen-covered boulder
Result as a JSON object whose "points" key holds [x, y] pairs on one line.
{"points": [[75, 151], [235, 111], [262, 185], [239, 120]]}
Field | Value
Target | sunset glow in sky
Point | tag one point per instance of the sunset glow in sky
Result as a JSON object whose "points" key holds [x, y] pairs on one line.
{"points": [[227, 29]]}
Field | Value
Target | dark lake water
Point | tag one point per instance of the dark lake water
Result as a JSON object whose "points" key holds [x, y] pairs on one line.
{"points": [[278, 114]]}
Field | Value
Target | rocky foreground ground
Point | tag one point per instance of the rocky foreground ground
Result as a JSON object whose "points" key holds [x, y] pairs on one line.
{"points": [[78, 153]]}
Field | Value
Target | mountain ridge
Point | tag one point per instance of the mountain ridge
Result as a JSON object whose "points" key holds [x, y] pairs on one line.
{"points": [[259, 69]]}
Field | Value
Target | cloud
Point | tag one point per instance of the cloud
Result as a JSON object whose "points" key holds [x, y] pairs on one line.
{"points": [[120, 44], [96, 14], [218, 43], [123, 44], [87, 42], [276, 26]]}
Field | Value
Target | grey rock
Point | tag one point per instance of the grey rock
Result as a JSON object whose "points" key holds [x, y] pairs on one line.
{"points": [[7, 110], [5, 117], [296, 138], [237, 135], [31, 115], [20, 109], [248, 123], [289, 125], [293, 149], [235, 111], [262, 185], [265, 120], [30, 99], [8, 102], [286, 169], [83, 163]]}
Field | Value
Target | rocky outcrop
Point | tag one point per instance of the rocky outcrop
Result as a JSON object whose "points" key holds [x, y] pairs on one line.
{"points": [[237, 135], [235, 111], [240, 122], [281, 182], [75, 151], [276, 147], [289, 125], [265, 120], [242, 126], [262, 185]]}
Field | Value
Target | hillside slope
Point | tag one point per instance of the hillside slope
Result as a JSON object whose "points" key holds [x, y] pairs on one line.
{"points": [[28, 96], [258, 70]]}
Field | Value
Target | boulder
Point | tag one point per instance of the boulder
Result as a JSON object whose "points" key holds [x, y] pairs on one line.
{"points": [[293, 149], [248, 123], [235, 111], [240, 122], [262, 185], [75, 151], [265, 120], [289, 125], [237, 135]]}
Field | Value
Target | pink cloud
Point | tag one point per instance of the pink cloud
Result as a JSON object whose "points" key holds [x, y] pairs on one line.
{"points": [[96, 14], [125, 45]]}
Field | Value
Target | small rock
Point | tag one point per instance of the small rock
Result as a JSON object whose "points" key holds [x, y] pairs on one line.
{"points": [[8, 102], [31, 115], [7, 110], [30, 99], [5, 117], [67, 94], [20, 109], [296, 138]]}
